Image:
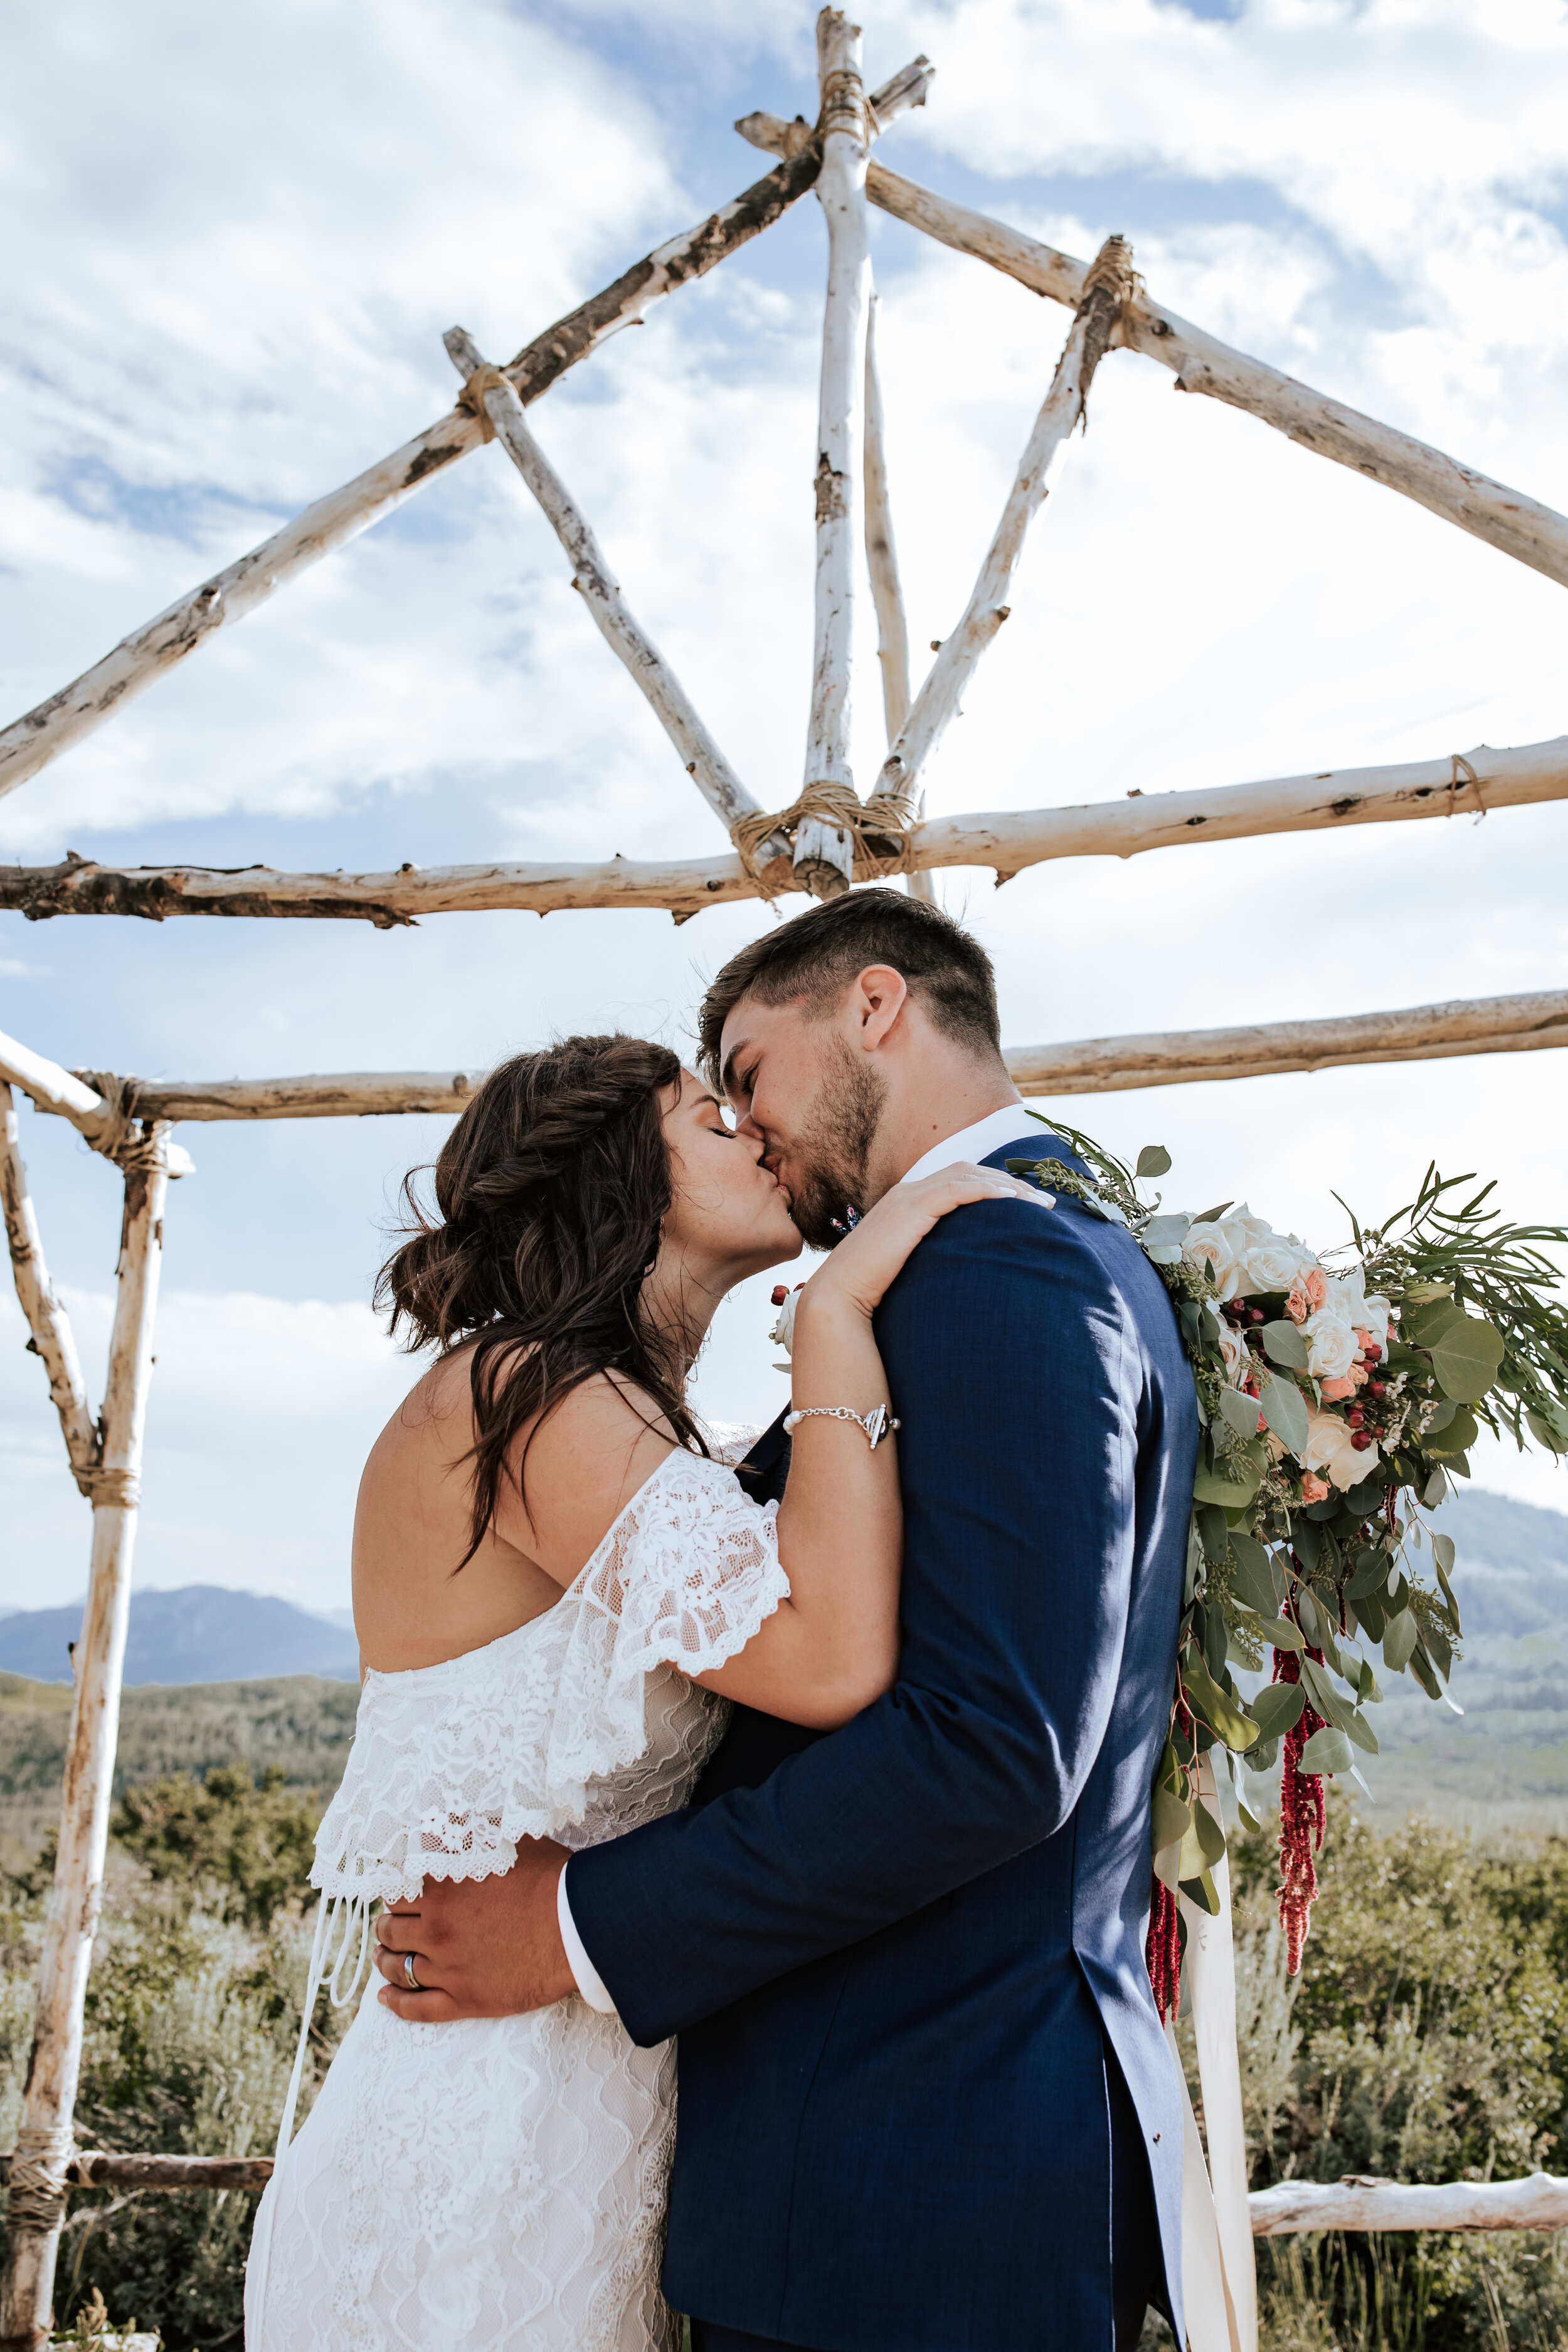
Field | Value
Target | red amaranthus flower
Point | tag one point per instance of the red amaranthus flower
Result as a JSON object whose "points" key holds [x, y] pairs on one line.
{"points": [[1301, 1819]]}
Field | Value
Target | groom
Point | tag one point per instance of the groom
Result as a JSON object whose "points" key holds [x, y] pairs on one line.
{"points": [[925, 2102]]}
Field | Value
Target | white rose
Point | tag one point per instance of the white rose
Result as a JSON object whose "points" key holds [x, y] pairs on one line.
{"points": [[1245, 1255], [1330, 1450], [1238, 1360], [1274, 1262], [783, 1331], [1331, 1343]]}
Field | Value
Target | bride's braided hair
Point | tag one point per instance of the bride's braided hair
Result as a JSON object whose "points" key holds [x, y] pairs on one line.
{"points": [[550, 1189]]}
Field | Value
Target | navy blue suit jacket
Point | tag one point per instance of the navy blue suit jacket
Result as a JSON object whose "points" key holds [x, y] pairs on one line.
{"points": [[895, 1954]]}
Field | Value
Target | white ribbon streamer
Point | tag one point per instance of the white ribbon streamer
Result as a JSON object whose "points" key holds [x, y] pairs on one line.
{"points": [[1219, 2274]]}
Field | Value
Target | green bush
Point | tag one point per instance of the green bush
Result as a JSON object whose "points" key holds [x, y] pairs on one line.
{"points": [[192, 2010]]}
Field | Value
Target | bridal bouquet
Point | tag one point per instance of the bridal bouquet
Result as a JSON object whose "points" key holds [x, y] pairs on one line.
{"points": [[1338, 1395]]}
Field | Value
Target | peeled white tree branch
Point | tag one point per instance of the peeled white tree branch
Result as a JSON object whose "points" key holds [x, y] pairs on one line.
{"points": [[44, 2146], [883, 563], [50, 1088], [882, 552], [1496, 1024], [1471, 783], [824, 853], [1540, 2202], [1088, 341], [703, 761], [30, 742], [1419, 1032], [1506, 519], [47, 1321]]}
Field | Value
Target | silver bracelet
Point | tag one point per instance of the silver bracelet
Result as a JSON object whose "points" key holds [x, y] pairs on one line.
{"points": [[876, 1424]]}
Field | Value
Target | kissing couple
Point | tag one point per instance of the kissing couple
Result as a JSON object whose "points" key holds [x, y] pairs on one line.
{"points": [[835, 1764]]}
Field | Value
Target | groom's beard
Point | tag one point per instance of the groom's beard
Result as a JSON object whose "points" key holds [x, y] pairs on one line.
{"points": [[835, 1147]]}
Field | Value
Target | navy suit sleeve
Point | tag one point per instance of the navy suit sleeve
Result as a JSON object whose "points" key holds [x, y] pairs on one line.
{"points": [[1016, 1370]]}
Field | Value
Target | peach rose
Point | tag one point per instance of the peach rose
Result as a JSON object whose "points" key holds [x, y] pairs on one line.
{"points": [[1313, 1488], [1334, 1390]]}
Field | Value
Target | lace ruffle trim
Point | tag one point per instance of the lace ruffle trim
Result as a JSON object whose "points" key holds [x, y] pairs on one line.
{"points": [[453, 1764]]}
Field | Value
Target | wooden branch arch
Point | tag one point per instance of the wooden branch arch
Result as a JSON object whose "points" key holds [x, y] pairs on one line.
{"points": [[828, 841]]}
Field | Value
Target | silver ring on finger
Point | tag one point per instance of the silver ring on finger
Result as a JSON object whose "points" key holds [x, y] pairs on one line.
{"points": [[409, 1978]]}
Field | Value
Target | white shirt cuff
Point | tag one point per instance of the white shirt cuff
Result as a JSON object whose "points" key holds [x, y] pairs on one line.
{"points": [[590, 1983]]}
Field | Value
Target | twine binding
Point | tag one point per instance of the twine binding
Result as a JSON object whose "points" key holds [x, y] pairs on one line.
{"points": [[472, 396], [879, 828], [39, 2179]]}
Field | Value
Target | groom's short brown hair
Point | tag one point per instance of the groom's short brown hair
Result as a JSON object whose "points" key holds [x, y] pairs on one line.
{"points": [[817, 954]]}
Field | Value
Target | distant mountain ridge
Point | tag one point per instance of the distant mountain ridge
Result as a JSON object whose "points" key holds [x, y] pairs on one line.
{"points": [[197, 1633], [1511, 1578]]}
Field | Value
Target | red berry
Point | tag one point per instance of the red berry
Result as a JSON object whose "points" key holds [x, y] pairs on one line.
{"points": [[1376, 1389], [1255, 1315], [778, 1294], [1360, 1439], [1355, 1416], [1371, 1353]]}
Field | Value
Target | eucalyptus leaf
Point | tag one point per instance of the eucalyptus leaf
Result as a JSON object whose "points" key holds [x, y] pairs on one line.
{"points": [[1457, 1435], [1421, 1325], [1225, 1716], [1154, 1160], [1211, 1836], [1370, 1570], [1307, 1613], [1328, 1750], [1240, 1412], [1280, 1635], [1227, 1494], [1434, 1489], [1399, 1640], [1254, 1579], [1466, 1357], [1285, 1411], [1283, 1344], [1201, 1892], [1357, 1728], [1423, 1671], [1443, 1552], [1307, 1543], [1324, 1696], [1365, 1498], [1214, 1533], [1173, 1819], [1366, 1685], [1277, 1707]]}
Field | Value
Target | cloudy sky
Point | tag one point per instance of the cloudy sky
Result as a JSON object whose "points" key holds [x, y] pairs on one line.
{"points": [[234, 238]]}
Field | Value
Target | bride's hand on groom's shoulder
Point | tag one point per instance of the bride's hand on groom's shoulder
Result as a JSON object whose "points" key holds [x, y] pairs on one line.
{"points": [[863, 1266], [481, 1947]]}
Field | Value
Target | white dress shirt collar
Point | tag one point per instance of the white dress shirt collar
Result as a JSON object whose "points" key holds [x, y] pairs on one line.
{"points": [[1007, 1124]]}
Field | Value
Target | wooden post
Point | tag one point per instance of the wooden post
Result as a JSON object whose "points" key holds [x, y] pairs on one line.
{"points": [[47, 1319], [44, 2145], [824, 852], [703, 761], [887, 588], [1093, 326]]}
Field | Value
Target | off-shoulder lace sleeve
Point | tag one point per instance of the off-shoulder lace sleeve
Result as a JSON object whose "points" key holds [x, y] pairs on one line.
{"points": [[452, 1764]]}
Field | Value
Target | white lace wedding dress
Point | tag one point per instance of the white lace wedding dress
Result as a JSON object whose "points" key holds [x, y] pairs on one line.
{"points": [[501, 2181]]}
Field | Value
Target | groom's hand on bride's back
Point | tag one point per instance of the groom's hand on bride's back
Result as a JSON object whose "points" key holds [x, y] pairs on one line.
{"points": [[482, 1948]]}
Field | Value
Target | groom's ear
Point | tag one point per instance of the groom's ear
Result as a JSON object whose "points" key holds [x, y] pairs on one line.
{"points": [[876, 999]]}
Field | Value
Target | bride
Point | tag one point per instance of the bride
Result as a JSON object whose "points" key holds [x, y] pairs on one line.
{"points": [[557, 1588]]}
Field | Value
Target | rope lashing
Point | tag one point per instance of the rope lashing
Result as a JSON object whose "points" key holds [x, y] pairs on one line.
{"points": [[881, 828], [844, 106], [39, 2179], [472, 396], [113, 1490], [119, 1095], [1110, 283]]}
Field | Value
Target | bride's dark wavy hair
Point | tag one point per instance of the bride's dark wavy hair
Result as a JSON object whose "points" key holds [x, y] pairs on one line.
{"points": [[551, 1189]]}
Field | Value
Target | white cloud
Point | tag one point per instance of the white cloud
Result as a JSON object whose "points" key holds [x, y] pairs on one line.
{"points": [[260, 1414]]}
